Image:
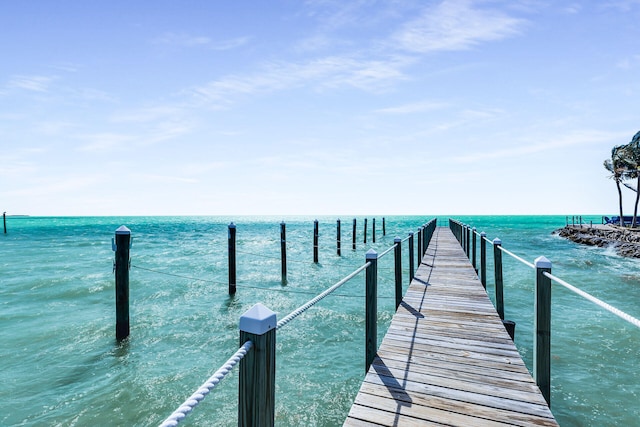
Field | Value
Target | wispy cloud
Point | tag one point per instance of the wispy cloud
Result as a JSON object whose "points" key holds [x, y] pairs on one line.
{"points": [[456, 25], [187, 40], [31, 83], [322, 73], [105, 141], [416, 107]]}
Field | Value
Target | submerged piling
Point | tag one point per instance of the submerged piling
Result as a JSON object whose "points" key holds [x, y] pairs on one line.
{"points": [[4, 221], [283, 250], [232, 259]]}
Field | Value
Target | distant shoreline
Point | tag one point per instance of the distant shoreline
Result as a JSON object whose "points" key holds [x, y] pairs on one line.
{"points": [[626, 242]]}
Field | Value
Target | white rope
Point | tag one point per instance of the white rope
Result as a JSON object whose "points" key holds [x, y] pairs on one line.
{"points": [[517, 257], [387, 251], [595, 300], [188, 405], [298, 311]]}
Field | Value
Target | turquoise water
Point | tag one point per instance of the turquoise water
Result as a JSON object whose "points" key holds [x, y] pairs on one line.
{"points": [[62, 365]]}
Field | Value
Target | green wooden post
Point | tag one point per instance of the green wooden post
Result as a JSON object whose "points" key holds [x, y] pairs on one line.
{"points": [[497, 268], [371, 301], [365, 231], [384, 227], [468, 241], [398, 269], [373, 230], [232, 258], [338, 238], [256, 384], [411, 258], [419, 238], [315, 241], [354, 235], [542, 322], [121, 246], [473, 250], [483, 259], [4, 221], [424, 239], [283, 250]]}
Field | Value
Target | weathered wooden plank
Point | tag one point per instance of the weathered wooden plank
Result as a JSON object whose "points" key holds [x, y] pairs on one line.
{"points": [[446, 358]]}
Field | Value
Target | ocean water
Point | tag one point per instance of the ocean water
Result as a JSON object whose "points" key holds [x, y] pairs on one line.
{"points": [[61, 364]]}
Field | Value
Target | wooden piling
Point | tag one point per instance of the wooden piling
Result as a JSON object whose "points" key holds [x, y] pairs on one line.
{"points": [[338, 238], [473, 250], [232, 258], [4, 221], [419, 238], [373, 230], [256, 384], [542, 326], [483, 259], [315, 241], [365, 231], [411, 258], [354, 234], [283, 250], [384, 227], [497, 268], [121, 247], [371, 302], [398, 269]]}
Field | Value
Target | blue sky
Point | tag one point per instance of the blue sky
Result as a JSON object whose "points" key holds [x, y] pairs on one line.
{"points": [[315, 107]]}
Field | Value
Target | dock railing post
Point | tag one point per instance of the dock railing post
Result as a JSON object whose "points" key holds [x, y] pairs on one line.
{"points": [[371, 301], [542, 321], [283, 250], [338, 238], [121, 246], [419, 237], [425, 239], [473, 250], [232, 258], [315, 241], [411, 258], [398, 269], [256, 384], [497, 268], [354, 235], [468, 241], [483, 259]]}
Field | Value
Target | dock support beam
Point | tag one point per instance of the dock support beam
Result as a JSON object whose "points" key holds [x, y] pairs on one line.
{"points": [[315, 241], [398, 269], [283, 250], [121, 246], [232, 258], [257, 385], [542, 321], [371, 301]]}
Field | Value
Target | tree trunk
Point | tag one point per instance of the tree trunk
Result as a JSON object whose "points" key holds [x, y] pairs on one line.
{"points": [[635, 208], [620, 202]]}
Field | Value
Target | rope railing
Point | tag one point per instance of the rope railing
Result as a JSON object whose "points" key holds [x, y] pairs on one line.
{"points": [[257, 330], [542, 307], [298, 311], [621, 314], [180, 414]]}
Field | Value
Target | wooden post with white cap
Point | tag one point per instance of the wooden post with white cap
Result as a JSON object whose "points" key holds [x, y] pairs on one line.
{"points": [[121, 246], [257, 385], [542, 326]]}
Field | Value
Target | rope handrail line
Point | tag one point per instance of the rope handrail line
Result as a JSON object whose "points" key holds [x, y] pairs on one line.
{"points": [[180, 414], [387, 251], [298, 311], [525, 262], [595, 300]]}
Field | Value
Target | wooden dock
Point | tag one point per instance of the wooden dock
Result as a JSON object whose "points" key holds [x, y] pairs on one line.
{"points": [[446, 358]]}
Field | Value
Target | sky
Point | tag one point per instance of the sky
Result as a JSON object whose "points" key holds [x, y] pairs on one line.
{"points": [[319, 107]]}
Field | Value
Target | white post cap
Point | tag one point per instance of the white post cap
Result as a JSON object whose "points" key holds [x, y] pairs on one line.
{"points": [[397, 240], [258, 320], [371, 254], [122, 230], [497, 241], [542, 262], [483, 234]]}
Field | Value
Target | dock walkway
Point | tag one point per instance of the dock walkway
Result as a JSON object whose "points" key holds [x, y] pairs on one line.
{"points": [[446, 358]]}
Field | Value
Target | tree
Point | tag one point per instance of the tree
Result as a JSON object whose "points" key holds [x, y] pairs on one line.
{"points": [[617, 167], [631, 157]]}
